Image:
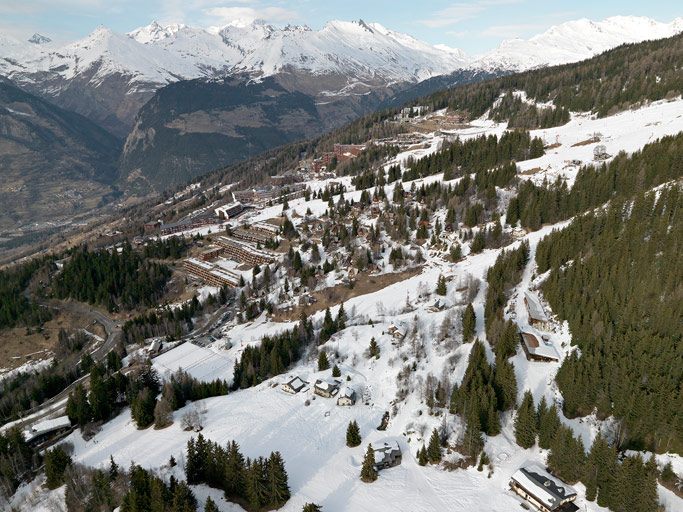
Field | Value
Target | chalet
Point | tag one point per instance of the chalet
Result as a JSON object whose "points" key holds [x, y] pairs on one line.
{"points": [[40, 431], [542, 490], [347, 396], [395, 332], [387, 456], [294, 385], [537, 316], [536, 350], [326, 388]]}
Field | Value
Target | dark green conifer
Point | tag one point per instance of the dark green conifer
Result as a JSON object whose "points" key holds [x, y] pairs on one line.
{"points": [[434, 448], [525, 422], [368, 473], [469, 323], [323, 363], [353, 437], [422, 456]]}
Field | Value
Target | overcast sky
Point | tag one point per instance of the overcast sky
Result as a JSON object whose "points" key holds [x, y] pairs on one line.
{"points": [[473, 26]]}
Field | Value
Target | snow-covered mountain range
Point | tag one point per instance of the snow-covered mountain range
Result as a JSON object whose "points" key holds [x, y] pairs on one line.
{"points": [[574, 41], [158, 54], [166, 53]]}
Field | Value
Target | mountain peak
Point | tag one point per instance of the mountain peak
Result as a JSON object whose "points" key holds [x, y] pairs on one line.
{"points": [[39, 39], [575, 40]]}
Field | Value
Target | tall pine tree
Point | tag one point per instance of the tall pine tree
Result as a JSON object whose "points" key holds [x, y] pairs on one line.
{"points": [[525, 422], [368, 473]]}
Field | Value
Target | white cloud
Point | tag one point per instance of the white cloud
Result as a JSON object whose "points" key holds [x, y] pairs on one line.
{"points": [[459, 12], [224, 15]]}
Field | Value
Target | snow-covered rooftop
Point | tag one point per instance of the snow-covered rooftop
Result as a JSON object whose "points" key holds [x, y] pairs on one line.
{"points": [[46, 426], [541, 348], [542, 485], [535, 308]]}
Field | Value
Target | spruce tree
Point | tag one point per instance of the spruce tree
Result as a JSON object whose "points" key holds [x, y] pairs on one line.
{"points": [[373, 350], [567, 456], [473, 442], [234, 470], [456, 252], [323, 363], [422, 457], [434, 448], [210, 505], [278, 488], [441, 288], [599, 470], [311, 507], [142, 408], [113, 469], [368, 473], [329, 327], [469, 323], [548, 425], [336, 372], [525, 422], [341, 318], [56, 461], [192, 463], [353, 437], [505, 384], [77, 406], [255, 488]]}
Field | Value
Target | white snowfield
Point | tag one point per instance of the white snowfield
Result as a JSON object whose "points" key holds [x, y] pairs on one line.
{"points": [[627, 131], [158, 54], [576, 40], [309, 430]]}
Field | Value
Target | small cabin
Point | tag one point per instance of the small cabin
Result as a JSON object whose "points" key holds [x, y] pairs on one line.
{"points": [[326, 388], [534, 308], [294, 385], [387, 455], [536, 350], [395, 332], [347, 397], [542, 490]]}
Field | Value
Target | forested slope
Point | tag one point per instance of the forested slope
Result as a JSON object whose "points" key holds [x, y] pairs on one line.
{"points": [[617, 277]]}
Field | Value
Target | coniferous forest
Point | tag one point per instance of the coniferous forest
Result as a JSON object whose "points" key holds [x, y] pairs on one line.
{"points": [[628, 328], [116, 280], [15, 308], [256, 484]]}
